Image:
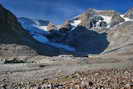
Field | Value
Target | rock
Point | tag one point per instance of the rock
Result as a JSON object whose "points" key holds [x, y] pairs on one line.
{"points": [[56, 36], [51, 27], [116, 19], [14, 60], [84, 40], [85, 17], [96, 21], [121, 35], [129, 85], [66, 27], [103, 24], [97, 18], [60, 35], [84, 85], [106, 12], [129, 14], [11, 34], [90, 83]]}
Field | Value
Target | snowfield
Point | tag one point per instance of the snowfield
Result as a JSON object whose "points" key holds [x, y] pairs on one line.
{"points": [[107, 19], [45, 40], [75, 23], [126, 19]]}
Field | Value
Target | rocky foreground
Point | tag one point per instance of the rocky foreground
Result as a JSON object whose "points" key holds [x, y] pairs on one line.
{"points": [[101, 79], [35, 59]]}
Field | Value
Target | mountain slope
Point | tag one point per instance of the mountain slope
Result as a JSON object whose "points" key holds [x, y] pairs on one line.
{"points": [[121, 39], [88, 33], [15, 41]]}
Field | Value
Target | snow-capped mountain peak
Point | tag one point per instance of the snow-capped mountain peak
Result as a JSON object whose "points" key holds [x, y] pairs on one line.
{"points": [[61, 36]]}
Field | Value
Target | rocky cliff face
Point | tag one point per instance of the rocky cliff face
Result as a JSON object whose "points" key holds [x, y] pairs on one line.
{"points": [[96, 31], [129, 14], [15, 41], [121, 39], [91, 17], [101, 19], [116, 19]]}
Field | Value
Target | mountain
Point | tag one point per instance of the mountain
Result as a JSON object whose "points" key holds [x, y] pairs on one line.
{"points": [[129, 14], [94, 19], [68, 36], [40, 33], [15, 41], [95, 40], [118, 29], [79, 36], [82, 33]]}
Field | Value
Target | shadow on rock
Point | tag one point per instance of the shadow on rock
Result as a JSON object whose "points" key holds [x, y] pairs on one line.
{"points": [[83, 40], [87, 41]]}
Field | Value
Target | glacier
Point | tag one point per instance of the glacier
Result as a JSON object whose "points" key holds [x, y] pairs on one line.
{"points": [[39, 33]]}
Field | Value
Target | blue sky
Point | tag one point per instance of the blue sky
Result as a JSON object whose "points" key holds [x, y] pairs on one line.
{"points": [[59, 10]]}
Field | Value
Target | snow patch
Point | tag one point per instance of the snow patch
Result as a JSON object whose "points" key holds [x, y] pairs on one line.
{"points": [[40, 38], [33, 28], [44, 40], [43, 28], [35, 21], [97, 24], [76, 23], [107, 19], [126, 18]]}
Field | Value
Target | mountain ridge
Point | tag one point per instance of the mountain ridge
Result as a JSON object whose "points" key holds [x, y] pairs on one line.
{"points": [[99, 21], [15, 41], [69, 37]]}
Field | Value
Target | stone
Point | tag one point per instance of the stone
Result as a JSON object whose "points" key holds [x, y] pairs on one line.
{"points": [[116, 19], [51, 27], [66, 27], [94, 20], [103, 24], [106, 12], [86, 17], [129, 14]]}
